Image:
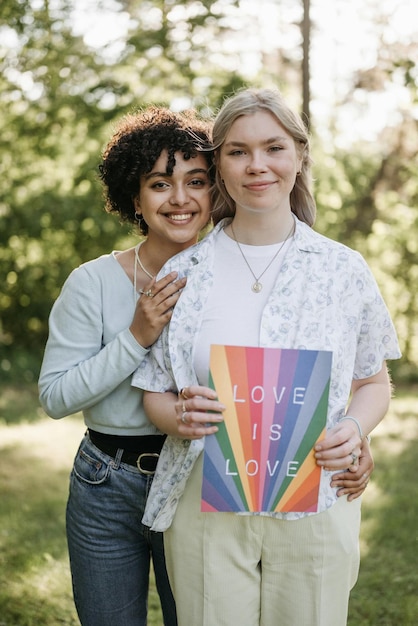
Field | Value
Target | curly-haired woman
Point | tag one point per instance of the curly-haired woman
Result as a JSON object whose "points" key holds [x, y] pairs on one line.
{"points": [[155, 170]]}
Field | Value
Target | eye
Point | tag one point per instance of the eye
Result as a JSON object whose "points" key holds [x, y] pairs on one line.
{"points": [[159, 185], [198, 182], [275, 148], [236, 152]]}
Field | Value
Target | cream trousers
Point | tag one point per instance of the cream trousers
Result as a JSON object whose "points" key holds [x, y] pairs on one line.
{"points": [[234, 570]]}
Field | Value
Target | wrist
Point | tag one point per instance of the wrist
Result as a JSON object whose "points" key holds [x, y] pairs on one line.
{"points": [[357, 423]]}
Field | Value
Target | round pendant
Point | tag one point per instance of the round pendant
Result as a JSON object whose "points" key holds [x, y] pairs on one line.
{"points": [[257, 287]]}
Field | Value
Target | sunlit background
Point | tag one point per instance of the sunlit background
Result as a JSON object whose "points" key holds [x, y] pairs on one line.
{"points": [[347, 36], [71, 68]]}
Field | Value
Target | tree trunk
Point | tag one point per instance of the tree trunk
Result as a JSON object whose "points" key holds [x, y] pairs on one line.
{"points": [[306, 41]]}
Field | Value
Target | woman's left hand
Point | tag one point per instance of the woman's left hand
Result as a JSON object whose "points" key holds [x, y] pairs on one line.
{"points": [[198, 412], [340, 449], [353, 484]]}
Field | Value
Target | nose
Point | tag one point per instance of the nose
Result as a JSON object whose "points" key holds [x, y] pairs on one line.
{"points": [[255, 163], [179, 196]]}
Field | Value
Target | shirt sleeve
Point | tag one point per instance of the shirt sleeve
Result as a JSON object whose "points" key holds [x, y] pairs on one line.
{"points": [[376, 340], [155, 373], [77, 369]]}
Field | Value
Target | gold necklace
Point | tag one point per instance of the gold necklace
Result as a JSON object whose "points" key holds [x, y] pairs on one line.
{"points": [[257, 286], [138, 260]]}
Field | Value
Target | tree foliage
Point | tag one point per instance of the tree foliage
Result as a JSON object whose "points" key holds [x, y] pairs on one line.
{"points": [[50, 141], [58, 100], [368, 196], [61, 91]]}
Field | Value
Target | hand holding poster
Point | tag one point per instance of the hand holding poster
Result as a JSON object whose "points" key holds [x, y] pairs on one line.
{"points": [[262, 459]]}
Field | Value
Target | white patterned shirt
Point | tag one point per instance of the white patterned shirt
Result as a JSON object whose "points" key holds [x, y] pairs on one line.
{"points": [[324, 298]]}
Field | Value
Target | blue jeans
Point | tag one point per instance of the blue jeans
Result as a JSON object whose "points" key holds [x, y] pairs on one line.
{"points": [[110, 549]]}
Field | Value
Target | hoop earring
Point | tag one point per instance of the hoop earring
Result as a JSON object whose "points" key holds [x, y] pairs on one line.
{"points": [[138, 217]]}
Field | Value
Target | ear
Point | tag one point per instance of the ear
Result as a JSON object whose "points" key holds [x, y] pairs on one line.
{"points": [[137, 206]]}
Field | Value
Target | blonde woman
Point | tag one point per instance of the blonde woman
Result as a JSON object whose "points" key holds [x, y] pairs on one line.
{"points": [[263, 277]]}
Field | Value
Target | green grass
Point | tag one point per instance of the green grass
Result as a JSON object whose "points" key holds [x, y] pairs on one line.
{"points": [[386, 592], [36, 455], [35, 458]]}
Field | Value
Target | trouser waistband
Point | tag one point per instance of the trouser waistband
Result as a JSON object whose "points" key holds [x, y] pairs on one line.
{"points": [[142, 452]]}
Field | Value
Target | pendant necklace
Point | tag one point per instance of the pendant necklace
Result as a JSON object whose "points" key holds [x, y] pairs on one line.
{"points": [[138, 260], [257, 286], [136, 263]]}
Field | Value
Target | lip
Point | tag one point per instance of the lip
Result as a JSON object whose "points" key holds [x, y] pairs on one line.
{"points": [[260, 185], [180, 218]]}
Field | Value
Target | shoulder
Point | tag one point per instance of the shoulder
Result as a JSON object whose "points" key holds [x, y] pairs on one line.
{"points": [[92, 275], [99, 267], [197, 255], [309, 240]]}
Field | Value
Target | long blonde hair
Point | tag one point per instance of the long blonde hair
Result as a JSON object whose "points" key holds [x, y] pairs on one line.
{"points": [[249, 101]]}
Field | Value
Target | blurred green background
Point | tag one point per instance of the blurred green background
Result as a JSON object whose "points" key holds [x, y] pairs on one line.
{"points": [[69, 69]]}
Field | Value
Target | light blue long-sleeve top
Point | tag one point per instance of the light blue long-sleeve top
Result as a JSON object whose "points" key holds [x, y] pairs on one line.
{"points": [[91, 354]]}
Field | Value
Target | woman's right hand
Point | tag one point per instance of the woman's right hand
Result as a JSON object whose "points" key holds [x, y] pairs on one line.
{"points": [[353, 484], [155, 308], [197, 412]]}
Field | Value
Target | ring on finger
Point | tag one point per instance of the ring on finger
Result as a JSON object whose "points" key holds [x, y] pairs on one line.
{"points": [[183, 393], [183, 418], [147, 293], [184, 413], [354, 457]]}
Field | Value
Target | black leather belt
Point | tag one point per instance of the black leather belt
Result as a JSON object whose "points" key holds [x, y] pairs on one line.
{"points": [[141, 452]]}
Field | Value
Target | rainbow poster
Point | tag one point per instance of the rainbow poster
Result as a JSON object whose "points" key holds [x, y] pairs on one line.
{"points": [[261, 459]]}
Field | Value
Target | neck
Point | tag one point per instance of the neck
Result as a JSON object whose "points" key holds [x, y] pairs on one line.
{"points": [[154, 254], [261, 232]]}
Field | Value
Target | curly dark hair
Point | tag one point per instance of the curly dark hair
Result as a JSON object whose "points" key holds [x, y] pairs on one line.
{"points": [[136, 145]]}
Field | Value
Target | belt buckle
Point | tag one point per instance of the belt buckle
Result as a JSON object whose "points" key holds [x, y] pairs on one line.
{"points": [[141, 456]]}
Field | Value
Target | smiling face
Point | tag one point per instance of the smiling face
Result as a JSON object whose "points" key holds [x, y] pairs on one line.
{"points": [[175, 206], [258, 163]]}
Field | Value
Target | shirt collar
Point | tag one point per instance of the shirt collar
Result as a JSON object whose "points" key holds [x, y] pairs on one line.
{"points": [[305, 238]]}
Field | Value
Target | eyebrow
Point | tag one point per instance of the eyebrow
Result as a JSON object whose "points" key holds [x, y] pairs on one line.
{"points": [[199, 170], [266, 141]]}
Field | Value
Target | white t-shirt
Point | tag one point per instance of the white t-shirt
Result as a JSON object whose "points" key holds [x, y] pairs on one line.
{"points": [[233, 310]]}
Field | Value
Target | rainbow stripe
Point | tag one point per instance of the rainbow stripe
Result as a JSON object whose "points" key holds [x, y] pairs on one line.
{"points": [[261, 458]]}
